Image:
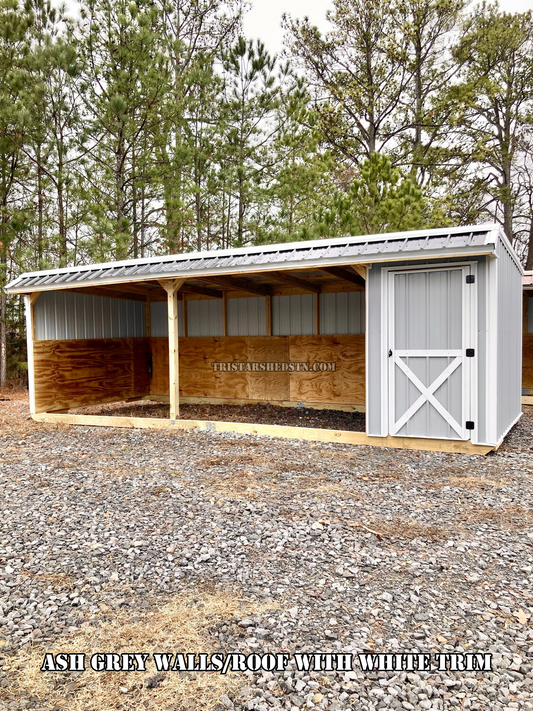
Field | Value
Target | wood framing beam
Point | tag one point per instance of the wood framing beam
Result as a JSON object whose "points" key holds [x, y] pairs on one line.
{"points": [[301, 433], [148, 318], [201, 290], [360, 269], [345, 274], [285, 278], [144, 289], [268, 315], [30, 336], [185, 320], [224, 314], [240, 284], [172, 287]]}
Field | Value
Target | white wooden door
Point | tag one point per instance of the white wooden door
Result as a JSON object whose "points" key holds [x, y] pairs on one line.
{"points": [[430, 329]]}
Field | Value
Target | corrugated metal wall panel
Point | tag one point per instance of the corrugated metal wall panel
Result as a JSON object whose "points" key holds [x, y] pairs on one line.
{"points": [[509, 340], [247, 316], [530, 314], [64, 315], [293, 315], [342, 312], [159, 319], [205, 317]]}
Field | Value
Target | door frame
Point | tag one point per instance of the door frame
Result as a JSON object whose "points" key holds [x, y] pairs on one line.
{"points": [[470, 340]]}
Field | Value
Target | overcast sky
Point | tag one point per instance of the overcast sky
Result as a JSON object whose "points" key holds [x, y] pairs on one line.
{"points": [[264, 19]]}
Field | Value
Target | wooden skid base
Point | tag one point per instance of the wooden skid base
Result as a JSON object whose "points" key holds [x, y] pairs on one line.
{"points": [[527, 399], [233, 401], [306, 433]]}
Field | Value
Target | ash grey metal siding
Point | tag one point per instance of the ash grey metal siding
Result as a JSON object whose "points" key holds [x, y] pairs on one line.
{"points": [[205, 317], [159, 319], [376, 389], [247, 316], [64, 315], [509, 340], [342, 312], [293, 315]]}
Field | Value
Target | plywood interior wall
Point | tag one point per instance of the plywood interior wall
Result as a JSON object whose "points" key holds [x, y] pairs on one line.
{"points": [[198, 379], [527, 361], [84, 372], [72, 373]]}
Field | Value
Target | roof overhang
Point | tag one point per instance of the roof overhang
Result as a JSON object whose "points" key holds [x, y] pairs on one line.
{"points": [[458, 242]]}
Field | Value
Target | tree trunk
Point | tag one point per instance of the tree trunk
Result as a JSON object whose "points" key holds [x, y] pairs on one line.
{"points": [[40, 209], [3, 335], [529, 260]]}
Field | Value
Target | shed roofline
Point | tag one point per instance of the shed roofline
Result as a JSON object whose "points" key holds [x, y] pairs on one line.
{"points": [[252, 269], [278, 247]]}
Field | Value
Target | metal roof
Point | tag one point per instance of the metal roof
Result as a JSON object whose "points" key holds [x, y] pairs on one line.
{"points": [[457, 241]]}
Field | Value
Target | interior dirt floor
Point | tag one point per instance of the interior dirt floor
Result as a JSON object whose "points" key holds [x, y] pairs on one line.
{"points": [[253, 413]]}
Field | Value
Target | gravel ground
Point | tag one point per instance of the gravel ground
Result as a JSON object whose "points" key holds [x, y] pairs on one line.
{"points": [[362, 549], [261, 414]]}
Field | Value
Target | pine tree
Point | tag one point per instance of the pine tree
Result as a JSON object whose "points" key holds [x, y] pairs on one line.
{"points": [[14, 47], [378, 200], [493, 104]]}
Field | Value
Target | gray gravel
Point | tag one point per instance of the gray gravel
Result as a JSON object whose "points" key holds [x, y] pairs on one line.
{"points": [[364, 549]]}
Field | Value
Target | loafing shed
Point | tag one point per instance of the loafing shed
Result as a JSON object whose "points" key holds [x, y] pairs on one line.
{"points": [[424, 330]]}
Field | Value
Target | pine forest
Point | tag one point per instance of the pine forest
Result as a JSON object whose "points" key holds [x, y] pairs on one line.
{"points": [[144, 127]]}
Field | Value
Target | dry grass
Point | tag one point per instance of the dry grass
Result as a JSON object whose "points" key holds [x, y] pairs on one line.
{"points": [[468, 481], [180, 626], [15, 419], [252, 485], [60, 582], [406, 528], [507, 517]]}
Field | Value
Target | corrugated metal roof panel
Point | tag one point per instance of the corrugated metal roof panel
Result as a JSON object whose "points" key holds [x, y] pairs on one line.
{"points": [[333, 251]]}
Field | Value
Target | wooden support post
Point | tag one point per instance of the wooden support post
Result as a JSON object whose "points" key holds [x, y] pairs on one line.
{"points": [[224, 313], [171, 287], [525, 309], [268, 315], [185, 321], [317, 314], [29, 303], [147, 318]]}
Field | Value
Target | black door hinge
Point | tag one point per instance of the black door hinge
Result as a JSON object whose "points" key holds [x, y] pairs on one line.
{"points": [[469, 425], [470, 278], [390, 353], [470, 352]]}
